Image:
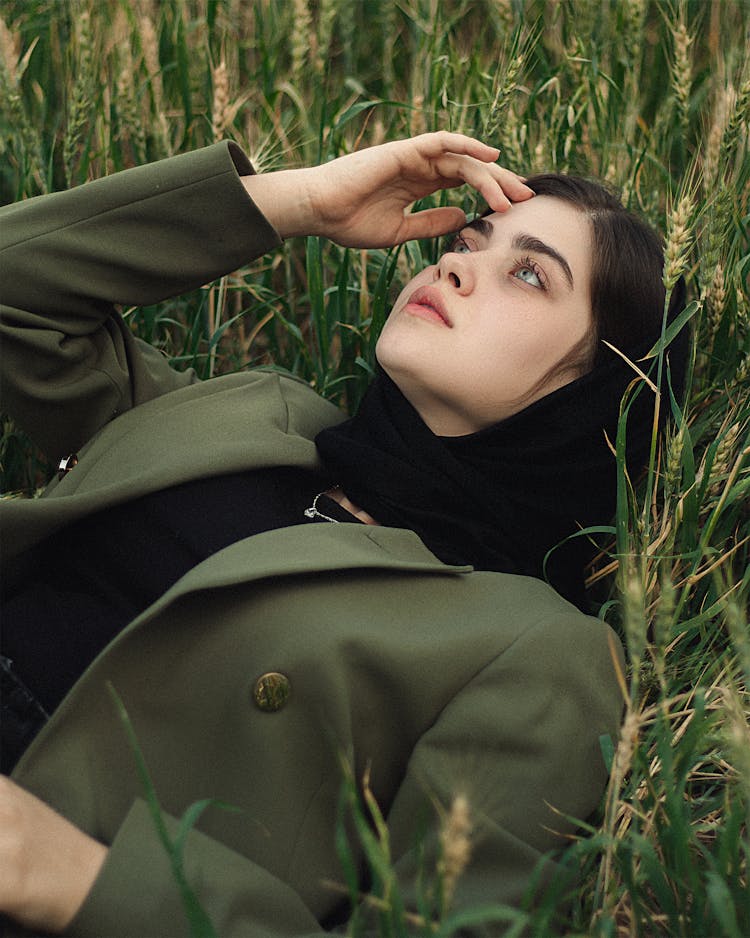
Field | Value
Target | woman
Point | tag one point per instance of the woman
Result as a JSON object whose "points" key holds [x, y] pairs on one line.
{"points": [[338, 615]]}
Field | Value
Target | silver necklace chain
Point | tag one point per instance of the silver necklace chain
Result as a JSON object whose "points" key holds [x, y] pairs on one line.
{"points": [[313, 512]]}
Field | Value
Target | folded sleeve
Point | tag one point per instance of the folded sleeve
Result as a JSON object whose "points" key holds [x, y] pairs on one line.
{"points": [[522, 745], [68, 260], [136, 893]]}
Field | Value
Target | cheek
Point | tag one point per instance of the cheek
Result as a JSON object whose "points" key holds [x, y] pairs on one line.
{"points": [[391, 325], [423, 278], [389, 342], [384, 343]]}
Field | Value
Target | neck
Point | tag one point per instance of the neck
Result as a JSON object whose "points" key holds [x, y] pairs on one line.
{"points": [[338, 495]]}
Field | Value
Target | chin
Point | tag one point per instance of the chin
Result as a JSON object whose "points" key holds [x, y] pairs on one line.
{"points": [[381, 352], [398, 365]]}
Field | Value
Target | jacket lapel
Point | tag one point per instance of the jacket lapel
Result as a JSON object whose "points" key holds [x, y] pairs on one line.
{"points": [[315, 548], [308, 549]]}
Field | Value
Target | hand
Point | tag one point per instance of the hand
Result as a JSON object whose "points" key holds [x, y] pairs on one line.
{"points": [[47, 865], [360, 200]]}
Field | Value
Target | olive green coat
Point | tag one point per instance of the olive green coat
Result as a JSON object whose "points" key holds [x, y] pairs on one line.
{"points": [[438, 679]]}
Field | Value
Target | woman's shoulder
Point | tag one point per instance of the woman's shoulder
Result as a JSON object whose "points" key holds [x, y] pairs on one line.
{"points": [[534, 610]]}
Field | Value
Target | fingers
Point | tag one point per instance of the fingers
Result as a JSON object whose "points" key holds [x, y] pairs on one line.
{"points": [[443, 141], [431, 223], [456, 159], [513, 186], [498, 186]]}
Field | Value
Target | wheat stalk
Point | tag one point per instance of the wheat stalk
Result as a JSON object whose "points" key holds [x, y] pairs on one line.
{"points": [[131, 130], [150, 50], [81, 103], [455, 843], [302, 31], [506, 16], [10, 51], [679, 239], [220, 105], [326, 19], [739, 118], [724, 105], [505, 86], [681, 66], [26, 134]]}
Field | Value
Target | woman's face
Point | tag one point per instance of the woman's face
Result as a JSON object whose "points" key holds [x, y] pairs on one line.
{"points": [[469, 339]]}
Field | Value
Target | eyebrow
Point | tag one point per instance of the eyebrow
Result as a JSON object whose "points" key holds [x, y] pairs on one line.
{"points": [[480, 225], [525, 242]]}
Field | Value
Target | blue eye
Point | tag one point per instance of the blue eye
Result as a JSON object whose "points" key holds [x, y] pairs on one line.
{"points": [[528, 275], [526, 270]]}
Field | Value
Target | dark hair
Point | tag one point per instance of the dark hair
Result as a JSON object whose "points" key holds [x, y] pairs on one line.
{"points": [[627, 293]]}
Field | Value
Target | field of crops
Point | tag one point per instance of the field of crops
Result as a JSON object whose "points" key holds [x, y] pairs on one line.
{"points": [[653, 97]]}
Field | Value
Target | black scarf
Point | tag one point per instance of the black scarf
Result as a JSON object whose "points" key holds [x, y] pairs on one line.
{"points": [[502, 498]]}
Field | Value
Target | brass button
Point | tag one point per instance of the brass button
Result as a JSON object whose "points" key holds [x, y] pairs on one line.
{"points": [[271, 691]]}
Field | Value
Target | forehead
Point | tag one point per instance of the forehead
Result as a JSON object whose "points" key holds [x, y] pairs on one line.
{"points": [[553, 221], [545, 217]]}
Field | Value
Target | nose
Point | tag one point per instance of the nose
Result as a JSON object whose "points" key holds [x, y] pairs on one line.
{"points": [[457, 270]]}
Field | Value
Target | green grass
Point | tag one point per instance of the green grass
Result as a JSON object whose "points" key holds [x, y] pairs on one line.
{"points": [[654, 98]]}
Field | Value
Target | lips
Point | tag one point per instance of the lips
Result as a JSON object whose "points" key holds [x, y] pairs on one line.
{"points": [[427, 303]]}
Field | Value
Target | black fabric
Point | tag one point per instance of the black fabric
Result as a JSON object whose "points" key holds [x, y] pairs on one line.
{"points": [[22, 717], [92, 578], [501, 498]]}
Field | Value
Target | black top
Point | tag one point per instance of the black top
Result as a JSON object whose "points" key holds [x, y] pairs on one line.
{"points": [[95, 576]]}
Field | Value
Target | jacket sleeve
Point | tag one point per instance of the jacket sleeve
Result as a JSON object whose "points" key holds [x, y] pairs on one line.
{"points": [[136, 892], [69, 362], [520, 742]]}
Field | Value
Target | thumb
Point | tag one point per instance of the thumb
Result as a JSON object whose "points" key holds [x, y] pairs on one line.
{"points": [[431, 223]]}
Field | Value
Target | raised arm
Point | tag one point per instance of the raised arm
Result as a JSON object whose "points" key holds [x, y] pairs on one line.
{"points": [[69, 363]]}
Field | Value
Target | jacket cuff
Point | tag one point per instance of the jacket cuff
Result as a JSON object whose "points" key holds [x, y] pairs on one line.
{"points": [[136, 893]]}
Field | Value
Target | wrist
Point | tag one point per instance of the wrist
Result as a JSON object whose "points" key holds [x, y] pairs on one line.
{"points": [[50, 899], [90, 857], [47, 864], [284, 199]]}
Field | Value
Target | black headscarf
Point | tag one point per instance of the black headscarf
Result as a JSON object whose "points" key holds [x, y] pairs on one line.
{"points": [[503, 497]]}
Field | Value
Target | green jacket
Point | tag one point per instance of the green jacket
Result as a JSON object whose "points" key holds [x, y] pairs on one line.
{"points": [[437, 679]]}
